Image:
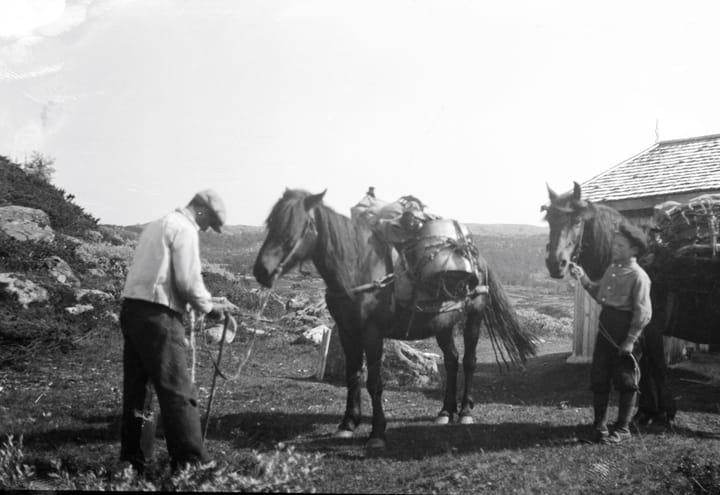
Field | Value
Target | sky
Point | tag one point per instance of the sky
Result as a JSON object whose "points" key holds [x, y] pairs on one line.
{"points": [[472, 106]]}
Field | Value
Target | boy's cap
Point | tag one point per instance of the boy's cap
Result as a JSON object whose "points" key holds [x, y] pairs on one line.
{"points": [[635, 235]]}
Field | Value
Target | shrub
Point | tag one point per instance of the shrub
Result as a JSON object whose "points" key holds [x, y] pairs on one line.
{"points": [[541, 325], [33, 191], [283, 470], [14, 473], [112, 259], [30, 255]]}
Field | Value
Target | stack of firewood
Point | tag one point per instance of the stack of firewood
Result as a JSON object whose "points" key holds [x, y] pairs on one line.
{"points": [[691, 229]]}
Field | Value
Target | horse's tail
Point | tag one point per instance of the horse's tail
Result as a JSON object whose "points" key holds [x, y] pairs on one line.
{"points": [[509, 340]]}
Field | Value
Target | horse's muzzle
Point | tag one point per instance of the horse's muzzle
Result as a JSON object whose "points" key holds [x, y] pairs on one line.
{"points": [[554, 268], [263, 277]]}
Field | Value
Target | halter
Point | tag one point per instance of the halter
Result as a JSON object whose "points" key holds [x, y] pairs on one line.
{"points": [[578, 243], [309, 223]]}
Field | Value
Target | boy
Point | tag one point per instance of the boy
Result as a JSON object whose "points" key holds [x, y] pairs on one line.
{"points": [[624, 293]]}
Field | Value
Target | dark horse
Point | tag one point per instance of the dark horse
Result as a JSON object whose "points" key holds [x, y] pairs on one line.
{"points": [[582, 232], [347, 255]]}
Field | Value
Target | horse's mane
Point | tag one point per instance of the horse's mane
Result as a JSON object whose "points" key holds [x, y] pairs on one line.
{"points": [[343, 237], [345, 243]]}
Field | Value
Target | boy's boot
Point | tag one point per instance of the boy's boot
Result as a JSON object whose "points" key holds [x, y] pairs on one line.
{"points": [[626, 404]]}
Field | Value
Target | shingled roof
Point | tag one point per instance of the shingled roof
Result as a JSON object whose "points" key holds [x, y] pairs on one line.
{"points": [[668, 167]]}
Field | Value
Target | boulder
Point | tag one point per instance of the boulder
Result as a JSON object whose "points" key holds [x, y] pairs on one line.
{"points": [[25, 224], [61, 271], [25, 291], [405, 366], [90, 294], [79, 309], [402, 366]]}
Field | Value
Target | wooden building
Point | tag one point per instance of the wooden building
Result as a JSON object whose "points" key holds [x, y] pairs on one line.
{"points": [[675, 170]]}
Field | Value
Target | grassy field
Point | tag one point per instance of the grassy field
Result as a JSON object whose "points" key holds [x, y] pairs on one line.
{"points": [[527, 436]]}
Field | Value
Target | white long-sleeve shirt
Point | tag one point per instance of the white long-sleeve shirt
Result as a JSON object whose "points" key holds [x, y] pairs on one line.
{"points": [[166, 267]]}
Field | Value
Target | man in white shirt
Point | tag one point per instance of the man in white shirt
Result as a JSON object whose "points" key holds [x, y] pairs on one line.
{"points": [[164, 281]]}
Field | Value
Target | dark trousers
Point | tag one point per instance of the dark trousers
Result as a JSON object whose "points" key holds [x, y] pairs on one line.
{"points": [[155, 350], [606, 369]]}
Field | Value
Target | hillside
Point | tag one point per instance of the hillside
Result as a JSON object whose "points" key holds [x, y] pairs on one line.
{"points": [[515, 252], [506, 230]]}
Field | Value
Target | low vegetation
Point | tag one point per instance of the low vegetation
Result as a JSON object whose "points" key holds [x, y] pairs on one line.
{"points": [[272, 420], [17, 187]]}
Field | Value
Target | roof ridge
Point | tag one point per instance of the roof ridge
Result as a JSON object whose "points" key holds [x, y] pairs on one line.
{"points": [[689, 139]]}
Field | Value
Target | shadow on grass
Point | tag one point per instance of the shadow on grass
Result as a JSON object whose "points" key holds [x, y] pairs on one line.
{"points": [[254, 429], [78, 436], [545, 381], [549, 380]]}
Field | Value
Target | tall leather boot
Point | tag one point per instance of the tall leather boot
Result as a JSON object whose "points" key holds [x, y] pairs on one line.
{"points": [[626, 404], [600, 408]]}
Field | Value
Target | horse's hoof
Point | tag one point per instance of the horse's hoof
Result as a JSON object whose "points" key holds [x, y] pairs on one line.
{"points": [[442, 419], [467, 420], [343, 434], [375, 444]]}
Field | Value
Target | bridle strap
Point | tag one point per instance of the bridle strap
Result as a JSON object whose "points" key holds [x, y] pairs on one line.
{"points": [[310, 223], [578, 243]]}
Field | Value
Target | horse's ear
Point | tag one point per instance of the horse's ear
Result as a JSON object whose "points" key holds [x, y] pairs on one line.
{"points": [[552, 194], [577, 192], [313, 200]]}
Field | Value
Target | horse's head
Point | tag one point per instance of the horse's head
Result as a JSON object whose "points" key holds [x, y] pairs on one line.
{"points": [[565, 214], [291, 235]]}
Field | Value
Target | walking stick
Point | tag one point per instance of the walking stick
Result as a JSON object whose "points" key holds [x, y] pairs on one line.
{"points": [[192, 345], [215, 374]]}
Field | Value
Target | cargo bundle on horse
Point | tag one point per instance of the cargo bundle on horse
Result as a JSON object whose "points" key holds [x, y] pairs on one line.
{"points": [[356, 264], [686, 264], [434, 259], [582, 232]]}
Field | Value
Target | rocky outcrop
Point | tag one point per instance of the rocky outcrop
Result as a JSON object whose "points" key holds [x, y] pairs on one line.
{"points": [[61, 271], [25, 224], [79, 309], [403, 365], [92, 294], [15, 286]]}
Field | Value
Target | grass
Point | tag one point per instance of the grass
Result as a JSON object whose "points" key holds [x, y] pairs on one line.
{"points": [[271, 429]]}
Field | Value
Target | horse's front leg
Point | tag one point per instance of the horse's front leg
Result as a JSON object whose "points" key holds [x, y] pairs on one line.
{"points": [[471, 334], [373, 344], [352, 347], [450, 357]]}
